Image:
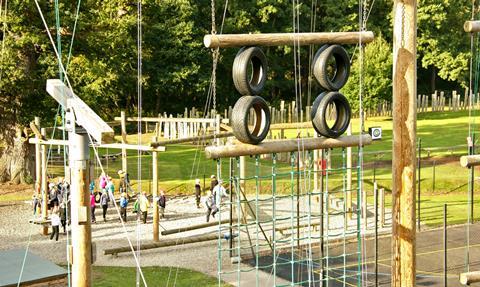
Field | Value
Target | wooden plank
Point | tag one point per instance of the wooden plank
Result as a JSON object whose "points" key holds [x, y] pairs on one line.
{"points": [[289, 145], [469, 277], [84, 115], [404, 141], [36, 130], [168, 120], [286, 39]]}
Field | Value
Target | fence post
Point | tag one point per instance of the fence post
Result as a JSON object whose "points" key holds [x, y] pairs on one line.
{"points": [[419, 181]]}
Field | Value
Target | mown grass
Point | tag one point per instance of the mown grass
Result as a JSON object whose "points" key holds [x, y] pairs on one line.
{"points": [[107, 276]]}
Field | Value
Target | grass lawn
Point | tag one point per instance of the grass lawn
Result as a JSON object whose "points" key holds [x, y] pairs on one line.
{"points": [[107, 276]]}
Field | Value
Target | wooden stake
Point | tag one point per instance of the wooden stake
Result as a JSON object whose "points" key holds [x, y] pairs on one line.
{"points": [[349, 177], [124, 140], [404, 139], [155, 192], [43, 178], [80, 198], [38, 163]]}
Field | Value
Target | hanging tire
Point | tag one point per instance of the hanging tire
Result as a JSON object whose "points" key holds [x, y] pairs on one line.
{"points": [[241, 115], [319, 114], [321, 65], [249, 83]]}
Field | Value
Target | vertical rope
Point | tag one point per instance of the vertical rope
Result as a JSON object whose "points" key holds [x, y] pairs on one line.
{"points": [[139, 126]]}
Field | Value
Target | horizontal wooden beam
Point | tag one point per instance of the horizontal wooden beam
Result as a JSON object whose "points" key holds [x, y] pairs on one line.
{"points": [[164, 243], [470, 160], [110, 146], [192, 139], [194, 227], [286, 39], [469, 277], [471, 26], [168, 120], [290, 126], [289, 145]]}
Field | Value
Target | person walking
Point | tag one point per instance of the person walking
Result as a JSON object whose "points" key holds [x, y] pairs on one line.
{"points": [[52, 196], [55, 218], [162, 202], [198, 192], [144, 205], [63, 216], [123, 206], [104, 199], [209, 204], [35, 204], [92, 206], [219, 192]]}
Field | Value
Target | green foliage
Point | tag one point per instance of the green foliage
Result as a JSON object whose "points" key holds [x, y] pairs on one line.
{"points": [[377, 75], [176, 66]]}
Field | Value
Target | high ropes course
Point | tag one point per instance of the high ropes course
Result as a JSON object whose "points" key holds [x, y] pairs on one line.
{"points": [[279, 224]]}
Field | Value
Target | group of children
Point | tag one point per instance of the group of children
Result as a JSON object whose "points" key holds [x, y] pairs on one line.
{"points": [[59, 201], [106, 194], [58, 206]]}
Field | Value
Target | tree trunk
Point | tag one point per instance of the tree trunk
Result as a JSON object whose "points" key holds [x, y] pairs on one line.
{"points": [[16, 160]]}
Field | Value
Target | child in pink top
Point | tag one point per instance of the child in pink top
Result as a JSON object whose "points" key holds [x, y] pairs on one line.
{"points": [[92, 206]]}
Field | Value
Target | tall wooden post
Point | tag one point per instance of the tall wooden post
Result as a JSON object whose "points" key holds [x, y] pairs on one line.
{"points": [[243, 172], [44, 183], [124, 140], [38, 162], [155, 192], [81, 228], [404, 138], [349, 177]]}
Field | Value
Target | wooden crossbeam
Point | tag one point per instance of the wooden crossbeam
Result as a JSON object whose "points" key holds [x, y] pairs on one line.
{"points": [[469, 277], [286, 39], [289, 145], [110, 146], [167, 120]]}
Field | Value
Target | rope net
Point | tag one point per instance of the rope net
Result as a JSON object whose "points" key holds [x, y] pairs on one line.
{"points": [[286, 229]]}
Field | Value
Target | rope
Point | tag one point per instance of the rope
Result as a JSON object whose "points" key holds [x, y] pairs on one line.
{"points": [[139, 162]]}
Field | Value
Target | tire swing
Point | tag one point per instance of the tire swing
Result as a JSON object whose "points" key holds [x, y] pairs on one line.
{"points": [[249, 76], [332, 76]]}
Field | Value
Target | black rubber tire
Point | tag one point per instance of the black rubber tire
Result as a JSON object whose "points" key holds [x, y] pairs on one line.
{"points": [[245, 84], [240, 115], [319, 114], [320, 66]]}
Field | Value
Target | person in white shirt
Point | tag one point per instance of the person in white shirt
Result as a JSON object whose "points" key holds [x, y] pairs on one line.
{"points": [[55, 217], [219, 192]]}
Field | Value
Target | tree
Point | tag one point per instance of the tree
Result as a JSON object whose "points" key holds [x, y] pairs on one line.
{"points": [[377, 75]]}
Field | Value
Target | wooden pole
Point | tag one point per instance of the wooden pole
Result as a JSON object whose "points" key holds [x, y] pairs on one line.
{"points": [[38, 162], [382, 207], [124, 140], [155, 193], [43, 179], [81, 228], [349, 177], [404, 138], [469, 277], [289, 145], [471, 26], [284, 39]]}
